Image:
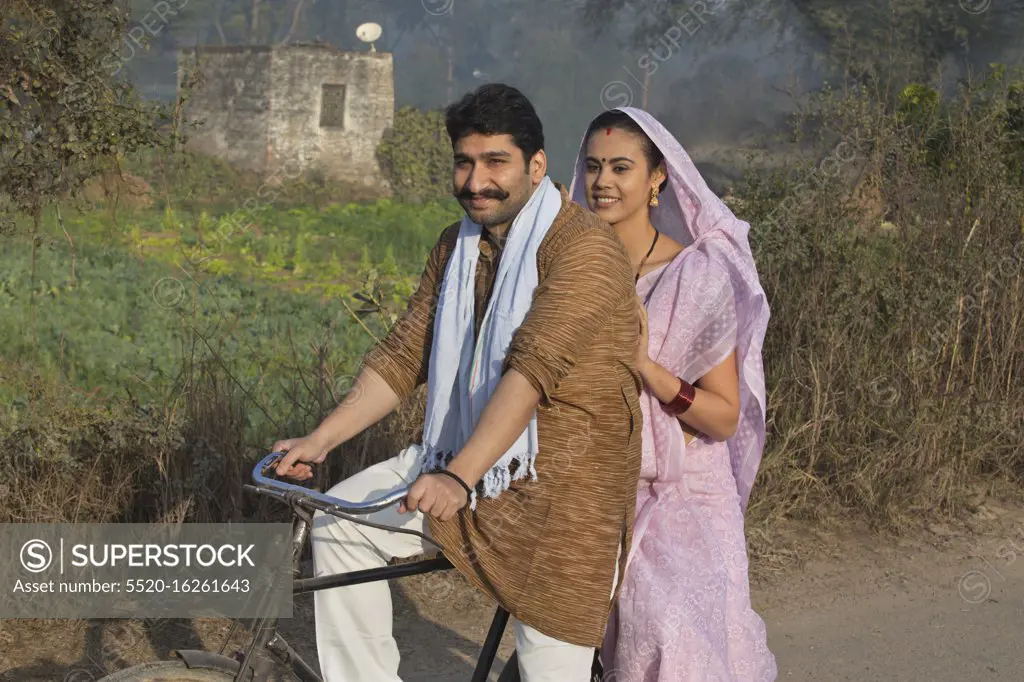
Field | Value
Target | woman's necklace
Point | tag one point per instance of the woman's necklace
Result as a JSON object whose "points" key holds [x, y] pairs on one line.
{"points": [[649, 252]]}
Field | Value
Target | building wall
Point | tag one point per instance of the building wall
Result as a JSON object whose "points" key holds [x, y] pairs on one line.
{"points": [[234, 103], [263, 109], [347, 152]]}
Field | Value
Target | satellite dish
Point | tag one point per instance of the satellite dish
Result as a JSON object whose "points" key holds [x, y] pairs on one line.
{"points": [[368, 33]]}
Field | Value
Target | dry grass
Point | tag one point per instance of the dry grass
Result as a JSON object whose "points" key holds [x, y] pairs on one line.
{"points": [[895, 349]]}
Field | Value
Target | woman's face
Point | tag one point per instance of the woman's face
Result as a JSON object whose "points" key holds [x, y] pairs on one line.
{"points": [[618, 181]]}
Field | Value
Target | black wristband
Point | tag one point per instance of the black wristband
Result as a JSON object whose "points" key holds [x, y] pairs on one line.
{"points": [[465, 486]]}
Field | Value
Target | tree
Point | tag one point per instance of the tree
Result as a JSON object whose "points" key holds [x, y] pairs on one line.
{"points": [[890, 38], [64, 114], [416, 155]]}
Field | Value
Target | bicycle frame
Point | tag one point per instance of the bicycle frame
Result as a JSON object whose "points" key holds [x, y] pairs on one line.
{"points": [[301, 499]]}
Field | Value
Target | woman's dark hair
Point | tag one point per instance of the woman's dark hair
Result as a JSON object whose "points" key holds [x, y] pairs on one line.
{"points": [[623, 121], [496, 109]]}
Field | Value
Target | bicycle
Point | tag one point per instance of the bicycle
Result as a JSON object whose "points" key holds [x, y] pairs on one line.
{"points": [[196, 665]]}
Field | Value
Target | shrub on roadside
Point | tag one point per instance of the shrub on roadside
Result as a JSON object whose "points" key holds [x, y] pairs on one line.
{"points": [[415, 155], [894, 272]]}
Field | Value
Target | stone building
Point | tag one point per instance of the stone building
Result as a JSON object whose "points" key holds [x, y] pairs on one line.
{"points": [[283, 109]]}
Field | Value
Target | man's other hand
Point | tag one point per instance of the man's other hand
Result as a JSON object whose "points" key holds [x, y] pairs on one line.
{"points": [[300, 450], [434, 494]]}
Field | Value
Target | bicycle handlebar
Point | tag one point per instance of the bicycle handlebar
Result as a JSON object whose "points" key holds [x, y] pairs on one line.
{"points": [[279, 488]]}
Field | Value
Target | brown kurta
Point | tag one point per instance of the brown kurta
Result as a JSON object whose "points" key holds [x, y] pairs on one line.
{"points": [[546, 549]]}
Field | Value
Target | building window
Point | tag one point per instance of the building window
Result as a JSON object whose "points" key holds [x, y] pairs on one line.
{"points": [[332, 106]]}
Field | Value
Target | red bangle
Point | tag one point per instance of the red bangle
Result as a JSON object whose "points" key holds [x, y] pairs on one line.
{"points": [[684, 398]]}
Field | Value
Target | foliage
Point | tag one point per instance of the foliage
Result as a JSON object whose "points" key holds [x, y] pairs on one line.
{"points": [[920, 110], [168, 383], [894, 268], [415, 155], [95, 458], [63, 114], [126, 322], [327, 251], [897, 40], [128, 326]]}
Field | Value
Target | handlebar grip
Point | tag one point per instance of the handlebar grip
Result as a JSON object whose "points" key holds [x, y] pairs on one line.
{"points": [[344, 506]]}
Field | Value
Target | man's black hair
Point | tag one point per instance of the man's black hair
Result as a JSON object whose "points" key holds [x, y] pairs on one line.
{"points": [[496, 109]]}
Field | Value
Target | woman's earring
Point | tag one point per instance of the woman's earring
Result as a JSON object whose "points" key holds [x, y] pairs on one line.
{"points": [[654, 196]]}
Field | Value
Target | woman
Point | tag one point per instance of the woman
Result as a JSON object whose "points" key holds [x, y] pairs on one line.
{"points": [[684, 611]]}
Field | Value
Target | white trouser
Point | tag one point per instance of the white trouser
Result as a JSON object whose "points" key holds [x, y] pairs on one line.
{"points": [[353, 623]]}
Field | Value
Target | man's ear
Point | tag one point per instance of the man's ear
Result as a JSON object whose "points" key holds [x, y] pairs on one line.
{"points": [[538, 166]]}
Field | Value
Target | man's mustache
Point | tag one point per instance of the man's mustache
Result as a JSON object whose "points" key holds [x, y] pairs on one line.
{"points": [[467, 195]]}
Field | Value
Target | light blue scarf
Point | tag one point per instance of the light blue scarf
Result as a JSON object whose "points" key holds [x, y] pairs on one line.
{"points": [[463, 375]]}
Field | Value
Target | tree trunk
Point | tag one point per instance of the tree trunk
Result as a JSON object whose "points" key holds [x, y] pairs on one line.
{"points": [[451, 50], [647, 81], [220, 31], [451, 64], [296, 15], [36, 215], [72, 281], [254, 21], [216, 22]]}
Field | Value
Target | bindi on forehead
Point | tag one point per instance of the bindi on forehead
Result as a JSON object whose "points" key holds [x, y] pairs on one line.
{"points": [[607, 131]]}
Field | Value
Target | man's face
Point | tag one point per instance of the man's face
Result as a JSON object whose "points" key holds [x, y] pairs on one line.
{"points": [[491, 179]]}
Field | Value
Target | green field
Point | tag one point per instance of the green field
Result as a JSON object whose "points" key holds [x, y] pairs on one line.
{"points": [[258, 303]]}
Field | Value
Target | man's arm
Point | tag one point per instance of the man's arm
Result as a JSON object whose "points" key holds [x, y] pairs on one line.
{"points": [[370, 400], [587, 281]]}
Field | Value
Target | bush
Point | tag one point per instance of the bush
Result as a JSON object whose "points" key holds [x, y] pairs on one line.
{"points": [[894, 272], [72, 459], [415, 155]]}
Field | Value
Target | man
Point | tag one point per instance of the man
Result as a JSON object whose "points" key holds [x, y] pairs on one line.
{"points": [[533, 414]]}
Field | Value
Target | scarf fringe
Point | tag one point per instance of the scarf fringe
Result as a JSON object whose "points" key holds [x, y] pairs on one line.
{"points": [[495, 481]]}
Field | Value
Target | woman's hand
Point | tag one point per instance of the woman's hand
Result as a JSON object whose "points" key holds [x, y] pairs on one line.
{"points": [[642, 357]]}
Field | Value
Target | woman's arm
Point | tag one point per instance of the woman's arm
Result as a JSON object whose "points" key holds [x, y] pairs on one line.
{"points": [[716, 404]]}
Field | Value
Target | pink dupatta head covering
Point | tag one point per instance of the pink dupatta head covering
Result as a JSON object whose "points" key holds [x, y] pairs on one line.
{"points": [[714, 301]]}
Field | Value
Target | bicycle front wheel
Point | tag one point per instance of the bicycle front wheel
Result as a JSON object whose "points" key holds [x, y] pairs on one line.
{"points": [[169, 671]]}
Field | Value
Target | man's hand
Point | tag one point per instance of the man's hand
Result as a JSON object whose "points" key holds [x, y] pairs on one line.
{"points": [[312, 448], [435, 494]]}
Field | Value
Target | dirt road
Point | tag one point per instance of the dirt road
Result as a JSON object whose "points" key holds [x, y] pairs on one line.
{"points": [[946, 606], [940, 611]]}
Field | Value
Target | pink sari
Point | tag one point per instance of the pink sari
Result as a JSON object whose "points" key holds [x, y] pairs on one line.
{"points": [[684, 612]]}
